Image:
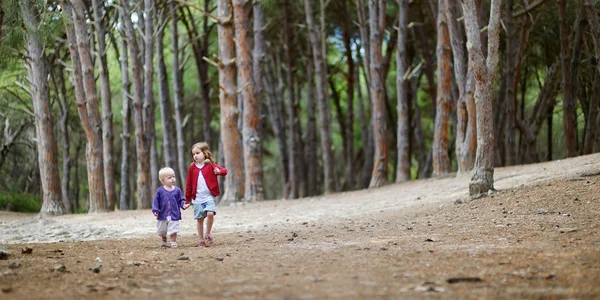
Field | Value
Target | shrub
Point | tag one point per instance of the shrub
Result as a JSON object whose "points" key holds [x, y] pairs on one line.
{"points": [[20, 202]]}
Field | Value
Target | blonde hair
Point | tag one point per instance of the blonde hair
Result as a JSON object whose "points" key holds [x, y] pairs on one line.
{"points": [[202, 146], [164, 172]]}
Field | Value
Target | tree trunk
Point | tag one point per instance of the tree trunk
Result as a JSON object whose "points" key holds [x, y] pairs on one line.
{"points": [[402, 84], [511, 83], [251, 130], [310, 151], [95, 165], [166, 109], [148, 112], [377, 25], [230, 134], [289, 76], [484, 71], [441, 159], [63, 108], [366, 133], [178, 95], [569, 117], [144, 194], [125, 193], [107, 131], [322, 100], [349, 140], [592, 128]]}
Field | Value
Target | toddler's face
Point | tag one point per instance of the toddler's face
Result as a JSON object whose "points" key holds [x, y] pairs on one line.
{"points": [[198, 155], [169, 180]]}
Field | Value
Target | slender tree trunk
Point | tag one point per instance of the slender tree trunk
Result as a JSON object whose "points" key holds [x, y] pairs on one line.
{"points": [[230, 134], [37, 73], [95, 165], [323, 101], [251, 130], [144, 195], [350, 79], [107, 131], [511, 82], [592, 132], [125, 193], [63, 108], [178, 95], [377, 25], [290, 69], [166, 109], [441, 159], [148, 112], [484, 69], [402, 84], [569, 122], [310, 150]]}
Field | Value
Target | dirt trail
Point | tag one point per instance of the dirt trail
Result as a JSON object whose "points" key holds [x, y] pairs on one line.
{"points": [[538, 236]]}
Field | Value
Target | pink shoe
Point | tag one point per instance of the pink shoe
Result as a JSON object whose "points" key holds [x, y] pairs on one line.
{"points": [[201, 244], [209, 240]]}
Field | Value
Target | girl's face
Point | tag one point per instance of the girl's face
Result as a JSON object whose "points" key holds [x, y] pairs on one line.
{"points": [[198, 155]]}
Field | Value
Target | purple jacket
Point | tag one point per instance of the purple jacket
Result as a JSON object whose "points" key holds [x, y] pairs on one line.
{"points": [[162, 197]]}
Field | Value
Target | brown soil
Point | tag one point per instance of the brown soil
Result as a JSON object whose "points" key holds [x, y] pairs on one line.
{"points": [[536, 237]]}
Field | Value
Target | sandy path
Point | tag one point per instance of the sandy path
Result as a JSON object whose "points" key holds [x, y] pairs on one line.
{"points": [[28, 228]]}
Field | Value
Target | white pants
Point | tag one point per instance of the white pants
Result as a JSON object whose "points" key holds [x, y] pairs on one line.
{"points": [[167, 227]]}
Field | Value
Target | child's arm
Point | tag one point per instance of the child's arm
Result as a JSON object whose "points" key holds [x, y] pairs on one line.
{"points": [[155, 204], [188, 186], [219, 170], [181, 201]]}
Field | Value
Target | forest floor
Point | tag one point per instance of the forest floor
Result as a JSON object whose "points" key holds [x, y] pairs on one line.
{"points": [[537, 237]]}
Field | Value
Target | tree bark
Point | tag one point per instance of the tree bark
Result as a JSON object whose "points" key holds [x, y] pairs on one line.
{"points": [[63, 108], [165, 106], [95, 165], [144, 195], [402, 84], [569, 117], [178, 95], [105, 95], [230, 134], [148, 111], [484, 71], [511, 83], [292, 120], [323, 101], [441, 159], [251, 130], [125, 194], [592, 128], [350, 78], [377, 25]]}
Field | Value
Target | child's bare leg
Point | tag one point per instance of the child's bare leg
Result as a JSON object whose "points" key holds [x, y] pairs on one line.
{"points": [[201, 229], [174, 237], [210, 216]]}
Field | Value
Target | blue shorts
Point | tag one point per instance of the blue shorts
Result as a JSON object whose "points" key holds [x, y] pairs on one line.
{"points": [[200, 210]]}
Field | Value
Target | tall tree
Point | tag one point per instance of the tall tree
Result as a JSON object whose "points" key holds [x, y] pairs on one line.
{"points": [[377, 27], [294, 179], [252, 140], [484, 69], [230, 134], [105, 95], [350, 80], [178, 94], [403, 146], [322, 100], [510, 97], [593, 138], [144, 196], [569, 116], [441, 159], [148, 111], [37, 73], [466, 135]]}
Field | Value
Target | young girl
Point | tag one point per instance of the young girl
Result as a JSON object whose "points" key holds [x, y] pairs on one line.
{"points": [[168, 199], [201, 188]]}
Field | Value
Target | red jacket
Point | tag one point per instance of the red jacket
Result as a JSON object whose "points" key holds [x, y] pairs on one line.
{"points": [[191, 183]]}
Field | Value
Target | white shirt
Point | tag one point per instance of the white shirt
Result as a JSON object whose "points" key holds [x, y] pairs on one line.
{"points": [[203, 194]]}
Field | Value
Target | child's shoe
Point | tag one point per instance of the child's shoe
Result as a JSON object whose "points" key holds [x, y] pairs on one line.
{"points": [[163, 244], [174, 245], [209, 240], [201, 244]]}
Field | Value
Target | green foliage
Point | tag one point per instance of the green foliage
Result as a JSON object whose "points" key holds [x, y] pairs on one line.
{"points": [[20, 202]]}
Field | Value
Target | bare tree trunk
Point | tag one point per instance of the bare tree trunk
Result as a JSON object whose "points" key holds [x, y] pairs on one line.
{"points": [[177, 95], [350, 79], [402, 84], [63, 108], [323, 101], [466, 137], [125, 193], [377, 26], [107, 131], [310, 150], [569, 122], [511, 82], [148, 112], [144, 196], [289, 62], [441, 159], [484, 71], [592, 129], [251, 130], [230, 134], [366, 134], [89, 106], [166, 109]]}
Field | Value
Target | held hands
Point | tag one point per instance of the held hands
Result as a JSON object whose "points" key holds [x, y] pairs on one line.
{"points": [[186, 205]]}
